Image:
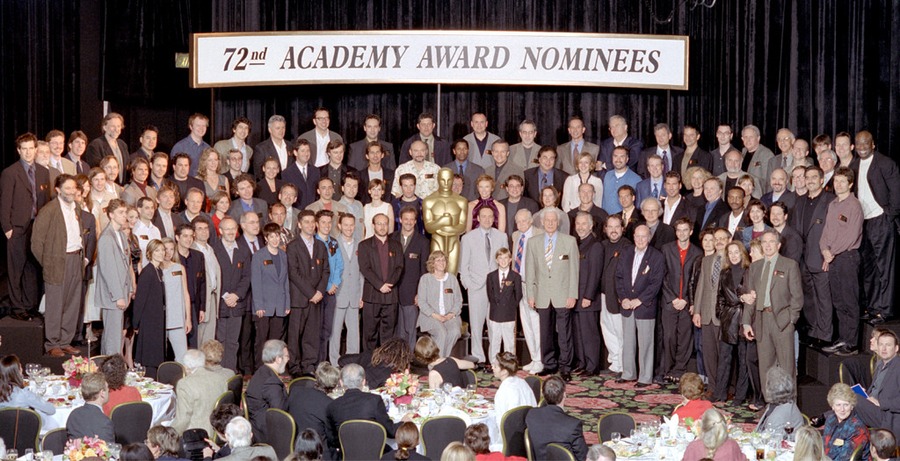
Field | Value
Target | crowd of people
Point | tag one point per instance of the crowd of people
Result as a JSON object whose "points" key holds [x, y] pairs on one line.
{"points": [[656, 255]]}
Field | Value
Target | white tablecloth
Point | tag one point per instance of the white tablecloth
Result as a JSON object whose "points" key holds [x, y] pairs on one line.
{"points": [[163, 404]]}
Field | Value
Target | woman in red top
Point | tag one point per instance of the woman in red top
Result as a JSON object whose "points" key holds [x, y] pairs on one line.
{"points": [[114, 369], [691, 388]]}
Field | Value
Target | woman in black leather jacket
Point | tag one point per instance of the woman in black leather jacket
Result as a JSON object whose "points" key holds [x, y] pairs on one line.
{"points": [[729, 310]]}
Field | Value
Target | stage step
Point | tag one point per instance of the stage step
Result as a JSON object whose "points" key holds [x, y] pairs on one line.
{"points": [[812, 396], [26, 340]]}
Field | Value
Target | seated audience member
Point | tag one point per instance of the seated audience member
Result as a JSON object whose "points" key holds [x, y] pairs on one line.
{"points": [[308, 447], [219, 420], [882, 408], [213, 351], [393, 356], [513, 391], [883, 445], [265, 389], [456, 451], [89, 420], [356, 404], [809, 446], [164, 443], [781, 407], [694, 405], [857, 369], [239, 432], [441, 369], [478, 439], [551, 424], [196, 393], [135, 452], [309, 405], [599, 452], [713, 442], [115, 369], [407, 438], [14, 394], [844, 431]]}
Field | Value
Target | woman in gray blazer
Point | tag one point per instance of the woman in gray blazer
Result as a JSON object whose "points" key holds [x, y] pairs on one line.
{"points": [[114, 285], [440, 302], [271, 292]]}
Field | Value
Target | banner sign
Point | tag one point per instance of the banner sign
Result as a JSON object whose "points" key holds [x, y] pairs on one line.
{"points": [[450, 57]]}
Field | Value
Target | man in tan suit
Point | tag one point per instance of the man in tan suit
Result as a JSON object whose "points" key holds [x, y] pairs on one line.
{"points": [[773, 306], [566, 154], [551, 275], [704, 308], [197, 393]]}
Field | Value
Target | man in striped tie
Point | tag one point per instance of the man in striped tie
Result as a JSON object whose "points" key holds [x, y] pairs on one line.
{"points": [[531, 322]]}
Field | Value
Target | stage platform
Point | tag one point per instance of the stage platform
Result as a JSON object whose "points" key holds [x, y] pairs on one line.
{"points": [[26, 339]]}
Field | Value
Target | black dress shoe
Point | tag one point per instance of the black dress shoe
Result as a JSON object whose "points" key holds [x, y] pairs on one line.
{"points": [[23, 316], [866, 316], [624, 381], [845, 351], [659, 380], [578, 371], [642, 385], [547, 372], [877, 319], [566, 376], [834, 347]]}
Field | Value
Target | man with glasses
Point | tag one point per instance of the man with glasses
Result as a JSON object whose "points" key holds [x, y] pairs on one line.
{"points": [[320, 136]]}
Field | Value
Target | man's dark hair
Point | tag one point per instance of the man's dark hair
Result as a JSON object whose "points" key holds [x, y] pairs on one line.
{"points": [[222, 415], [554, 390]]}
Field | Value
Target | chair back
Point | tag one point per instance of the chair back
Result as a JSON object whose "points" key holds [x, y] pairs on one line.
{"points": [[225, 398], [470, 378], [529, 450], [170, 373], [857, 453], [557, 452], [512, 431], [281, 431], [131, 421], [361, 440], [236, 386], [303, 381], [244, 406], [619, 422], [193, 441], [55, 440], [20, 428], [536, 385], [98, 360], [439, 431]]}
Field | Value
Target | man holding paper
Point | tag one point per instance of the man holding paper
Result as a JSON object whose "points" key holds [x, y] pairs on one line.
{"points": [[882, 407]]}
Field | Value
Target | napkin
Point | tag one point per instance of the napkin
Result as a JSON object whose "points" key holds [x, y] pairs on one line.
{"points": [[672, 425]]}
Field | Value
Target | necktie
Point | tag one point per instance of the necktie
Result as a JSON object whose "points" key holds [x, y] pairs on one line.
{"points": [[255, 248], [575, 153], [655, 191], [487, 247], [767, 267], [462, 171], [520, 250], [303, 170], [717, 268], [665, 161], [548, 254], [33, 191], [543, 181]]}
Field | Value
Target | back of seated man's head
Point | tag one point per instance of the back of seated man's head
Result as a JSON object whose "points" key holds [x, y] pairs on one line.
{"points": [[883, 444], [222, 415], [554, 390], [92, 386], [238, 432], [194, 359], [600, 452], [353, 376]]}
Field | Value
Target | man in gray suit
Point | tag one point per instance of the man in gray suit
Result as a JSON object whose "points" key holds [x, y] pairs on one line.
{"points": [[476, 262], [320, 136], [758, 164], [115, 280], [503, 168], [773, 306], [348, 298], [525, 153], [466, 167], [567, 154], [551, 286], [480, 140], [704, 308]]}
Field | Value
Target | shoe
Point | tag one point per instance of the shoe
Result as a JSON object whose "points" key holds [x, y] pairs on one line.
{"points": [[642, 385], [606, 372], [846, 351], [578, 371], [624, 381], [23, 316], [866, 316], [877, 319], [527, 367], [71, 350], [566, 376], [546, 372], [659, 380], [834, 347], [56, 352]]}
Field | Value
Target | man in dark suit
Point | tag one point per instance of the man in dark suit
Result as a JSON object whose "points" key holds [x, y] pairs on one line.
{"points": [[515, 201], [245, 184], [234, 262], [639, 278], [358, 157], [77, 146], [274, 146], [736, 219], [618, 128], [791, 241], [309, 405], [335, 169], [598, 215], [376, 163], [24, 189], [652, 185], [308, 272], [503, 168], [543, 175], [808, 217], [470, 171], [663, 149], [661, 233], [381, 264], [677, 336], [674, 206], [878, 183], [778, 191], [89, 420], [416, 249], [265, 389], [692, 155], [880, 409], [303, 175], [587, 307], [550, 423], [773, 306], [438, 148], [99, 148], [715, 208], [57, 245], [356, 404], [631, 215], [195, 270], [611, 313]]}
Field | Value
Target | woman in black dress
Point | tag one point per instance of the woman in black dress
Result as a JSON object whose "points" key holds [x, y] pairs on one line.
{"points": [[149, 314], [442, 369]]}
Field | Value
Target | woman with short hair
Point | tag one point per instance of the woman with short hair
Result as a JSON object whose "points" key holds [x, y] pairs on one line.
{"points": [[441, 369], [115, 369], [844, 431], [693, 392], [440, 303], [781, 408]]}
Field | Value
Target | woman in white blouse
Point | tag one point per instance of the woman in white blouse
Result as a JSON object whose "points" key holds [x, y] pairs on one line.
{"points": [[584, 175], [513, 391]]}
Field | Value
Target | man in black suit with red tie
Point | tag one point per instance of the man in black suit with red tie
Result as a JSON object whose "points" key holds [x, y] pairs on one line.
{"points": [[234, 286], [24, 189], [308, 272], [381, 265]]}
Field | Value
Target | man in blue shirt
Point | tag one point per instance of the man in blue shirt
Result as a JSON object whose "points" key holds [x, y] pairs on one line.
{"points": [[324, 223], [193, 144], [620, 175]]}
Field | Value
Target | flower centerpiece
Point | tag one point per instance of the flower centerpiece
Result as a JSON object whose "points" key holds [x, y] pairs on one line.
{"points": [[402, 386], [76, 367], [87, 447]]}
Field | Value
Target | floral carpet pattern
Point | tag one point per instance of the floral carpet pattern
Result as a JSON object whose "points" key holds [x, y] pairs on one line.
{"points": [[591, 397]]}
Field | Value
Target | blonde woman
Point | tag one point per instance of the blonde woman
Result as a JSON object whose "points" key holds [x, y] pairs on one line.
{"points": [[209, 171], [696, 176], [440, 303], [484, 185], [584, 175], [178, 301], [809, 446], [713, 442]]}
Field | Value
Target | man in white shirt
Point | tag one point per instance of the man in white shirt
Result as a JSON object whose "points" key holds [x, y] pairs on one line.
{"points": [[275, 146], [424, 171], [144, 229], [531, 321]]}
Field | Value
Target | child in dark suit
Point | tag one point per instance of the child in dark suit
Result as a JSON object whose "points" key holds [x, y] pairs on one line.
{"points": [[504, 289]]}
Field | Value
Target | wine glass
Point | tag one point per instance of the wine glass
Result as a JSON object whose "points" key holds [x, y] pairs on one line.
{"points": [[31, 369], [114, 450], [615, 437], [470, 392], [447, 388], [12, 454], [788, 430], [139, 370]]}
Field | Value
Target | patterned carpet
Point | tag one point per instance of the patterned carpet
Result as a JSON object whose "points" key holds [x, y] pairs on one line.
{"points": [[590, 398]]}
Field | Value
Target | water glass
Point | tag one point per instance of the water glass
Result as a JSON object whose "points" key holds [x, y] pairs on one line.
{"points": [[447, 388], [29, 453], [114, 450], [48, 455], [615, 437], [12, 454]]}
